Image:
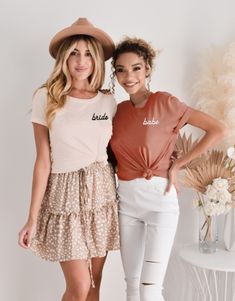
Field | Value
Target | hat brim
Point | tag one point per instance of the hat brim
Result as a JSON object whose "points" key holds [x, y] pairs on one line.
{"points": [[104, 39]]}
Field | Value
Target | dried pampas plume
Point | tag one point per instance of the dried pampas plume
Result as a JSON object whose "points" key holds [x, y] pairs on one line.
{"points": [[214, 90]]}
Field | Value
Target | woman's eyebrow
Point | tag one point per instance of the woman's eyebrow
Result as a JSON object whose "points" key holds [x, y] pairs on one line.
{"points": [[136, 64]]}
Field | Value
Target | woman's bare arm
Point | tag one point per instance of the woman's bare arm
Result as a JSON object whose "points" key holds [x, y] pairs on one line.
{"points": [[41, 172], [214, 132]]}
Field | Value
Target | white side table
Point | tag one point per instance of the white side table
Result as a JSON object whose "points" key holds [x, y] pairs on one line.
{"points": [[212, 276]]}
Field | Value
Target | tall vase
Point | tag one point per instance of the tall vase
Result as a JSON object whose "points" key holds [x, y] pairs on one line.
{"points": [[208, 232], [229, 231]]}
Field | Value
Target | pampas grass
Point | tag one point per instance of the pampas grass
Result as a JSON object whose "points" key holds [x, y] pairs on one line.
{"points": [[214, 88]]}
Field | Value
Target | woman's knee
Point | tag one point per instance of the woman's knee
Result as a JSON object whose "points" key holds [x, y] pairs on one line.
{"points": [[151, 291], [78, 291], [132, 286]]}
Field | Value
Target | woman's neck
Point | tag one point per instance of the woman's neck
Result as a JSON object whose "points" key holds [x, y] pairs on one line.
{"points": [[82, 90], [139, 99]]}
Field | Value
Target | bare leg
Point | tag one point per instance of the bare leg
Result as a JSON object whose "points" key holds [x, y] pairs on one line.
{"points": [[97, 268], [77, 279]]}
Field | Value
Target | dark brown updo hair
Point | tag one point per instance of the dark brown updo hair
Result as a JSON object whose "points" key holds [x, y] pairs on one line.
{"points": [[137, 46]]}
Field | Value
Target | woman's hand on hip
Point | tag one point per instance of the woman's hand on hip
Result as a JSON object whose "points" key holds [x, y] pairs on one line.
{"points": [[172, 179]]}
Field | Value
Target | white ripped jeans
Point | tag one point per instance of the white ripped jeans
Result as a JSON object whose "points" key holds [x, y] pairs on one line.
{"points": [[148, 222]]}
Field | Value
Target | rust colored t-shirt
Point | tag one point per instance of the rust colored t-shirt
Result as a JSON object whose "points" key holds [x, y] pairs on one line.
{"points": [[144, 138]]}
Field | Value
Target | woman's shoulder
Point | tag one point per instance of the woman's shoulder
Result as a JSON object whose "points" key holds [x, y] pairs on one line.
{"points": [[122, 107], [39, 106], [171, 104], [163, 95], [166, 98], [40, 95]]}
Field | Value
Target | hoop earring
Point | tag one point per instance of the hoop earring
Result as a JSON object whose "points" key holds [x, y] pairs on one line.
{"points": [[148, 82]]}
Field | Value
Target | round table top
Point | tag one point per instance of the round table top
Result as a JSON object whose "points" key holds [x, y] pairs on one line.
{"points": [[221, 260]]}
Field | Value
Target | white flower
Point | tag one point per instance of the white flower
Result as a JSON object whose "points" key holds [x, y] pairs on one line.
{"points": [[231, 152], [220, 209], [217, 199], [224, 197], [211, 192], [209, 208], [220, 183], [220, 204]]}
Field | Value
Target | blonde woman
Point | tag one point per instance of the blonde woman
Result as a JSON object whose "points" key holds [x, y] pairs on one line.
{"points": [[73, 213]]}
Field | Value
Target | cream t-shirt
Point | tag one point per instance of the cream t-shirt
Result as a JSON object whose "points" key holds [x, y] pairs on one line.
{"points": [[80, 132]]}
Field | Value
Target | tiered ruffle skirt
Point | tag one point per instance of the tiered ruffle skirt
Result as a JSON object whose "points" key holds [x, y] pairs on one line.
{"points": [[78, 218]]}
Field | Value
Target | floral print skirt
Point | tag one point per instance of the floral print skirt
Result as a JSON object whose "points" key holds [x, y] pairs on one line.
{"points": [[78, 218]]}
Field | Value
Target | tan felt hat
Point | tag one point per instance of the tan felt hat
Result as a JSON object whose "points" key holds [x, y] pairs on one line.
{"points": [[84, 27]]}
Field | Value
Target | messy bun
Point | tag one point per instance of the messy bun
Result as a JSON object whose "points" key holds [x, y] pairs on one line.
{"points": [[137, 46]]}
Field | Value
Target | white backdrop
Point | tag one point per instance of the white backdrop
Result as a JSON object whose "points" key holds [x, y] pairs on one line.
{"points": [[181, 29]]}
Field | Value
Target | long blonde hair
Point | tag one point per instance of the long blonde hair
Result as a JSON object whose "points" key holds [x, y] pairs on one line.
{"points": [[59, 84]]}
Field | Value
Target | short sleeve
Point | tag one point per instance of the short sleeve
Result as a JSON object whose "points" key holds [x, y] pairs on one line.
{"points": [[181, 111], [38, 114]]}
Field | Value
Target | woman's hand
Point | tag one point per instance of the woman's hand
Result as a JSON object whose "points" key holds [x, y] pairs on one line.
{"points": [[26, 234], [172, 178]]}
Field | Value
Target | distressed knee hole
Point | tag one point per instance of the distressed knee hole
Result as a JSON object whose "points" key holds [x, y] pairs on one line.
{"points": [[148, 283], [150, 261]]}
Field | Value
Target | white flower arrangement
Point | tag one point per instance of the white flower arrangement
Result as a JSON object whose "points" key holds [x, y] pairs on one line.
{"points": [[214, 93], [217, 199], [212, 176]]}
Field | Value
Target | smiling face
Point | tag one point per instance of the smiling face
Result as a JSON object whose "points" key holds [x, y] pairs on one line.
{"points": [[80, 62], [131, 72]]}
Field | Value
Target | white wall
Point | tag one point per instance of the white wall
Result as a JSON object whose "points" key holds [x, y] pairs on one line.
{"points": [[182, 29]]}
